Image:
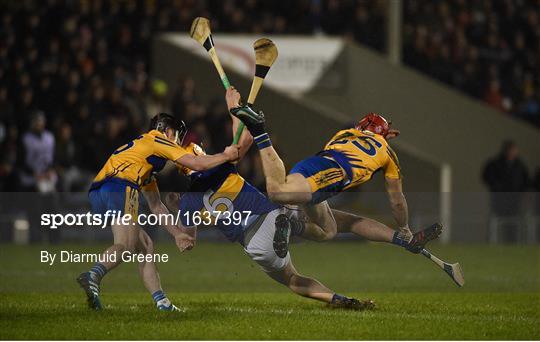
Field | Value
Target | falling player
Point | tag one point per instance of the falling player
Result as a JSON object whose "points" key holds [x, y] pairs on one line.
{"points": [[350, 158], [263, 229], [116, 188]]}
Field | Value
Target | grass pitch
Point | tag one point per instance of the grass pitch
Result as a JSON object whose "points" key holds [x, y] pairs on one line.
{"points": [[226, 296]]}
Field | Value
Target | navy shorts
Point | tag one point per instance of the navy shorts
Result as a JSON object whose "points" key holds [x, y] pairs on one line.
{"points": [[324, 175], [115, 195]]}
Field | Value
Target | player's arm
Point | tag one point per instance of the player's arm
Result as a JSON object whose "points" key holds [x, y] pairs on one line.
{"points": [[151, 194], [233, 99], [394, 189], [172, 201], [398, 203], [167, 149], [205, 162]]}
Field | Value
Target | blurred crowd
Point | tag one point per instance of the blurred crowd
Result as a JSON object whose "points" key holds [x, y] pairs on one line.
{"points": [[74, 86], [75, 82], [488, 49]]}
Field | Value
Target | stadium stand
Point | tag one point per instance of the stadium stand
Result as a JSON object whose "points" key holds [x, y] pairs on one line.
{"points": [[95, 64], [489, 50]]}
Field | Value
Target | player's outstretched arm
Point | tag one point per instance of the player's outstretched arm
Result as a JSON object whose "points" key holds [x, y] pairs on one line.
{"points": [[398, 203], [183, 240], [205, 162], [233, 99], [172, 202]]}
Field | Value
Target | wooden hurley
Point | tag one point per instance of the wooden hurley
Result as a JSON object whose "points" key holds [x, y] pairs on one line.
{"points": [[200, 31], [266, 54], [453, 270]]}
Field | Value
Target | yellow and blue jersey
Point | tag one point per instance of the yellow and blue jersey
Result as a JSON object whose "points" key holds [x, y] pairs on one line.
{"points": [[128, 169], [350, 158], [135, 161], [221, 189]]}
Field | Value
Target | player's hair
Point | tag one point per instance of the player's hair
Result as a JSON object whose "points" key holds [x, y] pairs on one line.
{"points": [[162, 121]]}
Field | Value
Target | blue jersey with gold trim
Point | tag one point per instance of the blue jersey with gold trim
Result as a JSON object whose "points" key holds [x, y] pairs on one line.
{"points": [[222, 189]]}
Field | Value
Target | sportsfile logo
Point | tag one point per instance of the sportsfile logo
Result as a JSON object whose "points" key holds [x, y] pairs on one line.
{"points": [[111, 217], [115, 217]]}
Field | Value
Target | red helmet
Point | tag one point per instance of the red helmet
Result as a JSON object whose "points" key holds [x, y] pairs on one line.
{"points": [[374, 123]]}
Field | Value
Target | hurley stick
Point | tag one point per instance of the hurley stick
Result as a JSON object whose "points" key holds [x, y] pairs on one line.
{"points": [[265, 55], [200, 31], [453, 270]]}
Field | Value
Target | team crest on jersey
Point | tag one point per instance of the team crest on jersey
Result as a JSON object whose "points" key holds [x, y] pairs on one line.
{"points": [[195, 150]]}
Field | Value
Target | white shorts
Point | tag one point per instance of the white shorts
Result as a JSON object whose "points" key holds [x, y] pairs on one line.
{"points": [[260, 244]]}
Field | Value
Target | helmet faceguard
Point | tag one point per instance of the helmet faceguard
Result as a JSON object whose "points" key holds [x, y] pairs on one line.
{"points": [[374, 123], [163, 121], [179, 137]]}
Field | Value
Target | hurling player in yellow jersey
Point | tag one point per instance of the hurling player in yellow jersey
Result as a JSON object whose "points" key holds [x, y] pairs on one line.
{"points": [[116, 191], [350, 158]]}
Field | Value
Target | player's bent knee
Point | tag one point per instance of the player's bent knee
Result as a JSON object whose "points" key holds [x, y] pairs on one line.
{"points": [[323, 236], [329, 229], [327, 236], [330, 233], [278, 195]]}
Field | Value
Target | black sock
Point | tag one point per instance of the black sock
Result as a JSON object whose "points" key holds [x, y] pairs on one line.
{"points": [[398, 239], [337, 299], [257, 129]]}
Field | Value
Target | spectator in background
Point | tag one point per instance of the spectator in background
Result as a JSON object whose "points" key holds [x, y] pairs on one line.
{"points": [[68, 160], [507, 178], [493, 96], [37, 172], [38, 176]]}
